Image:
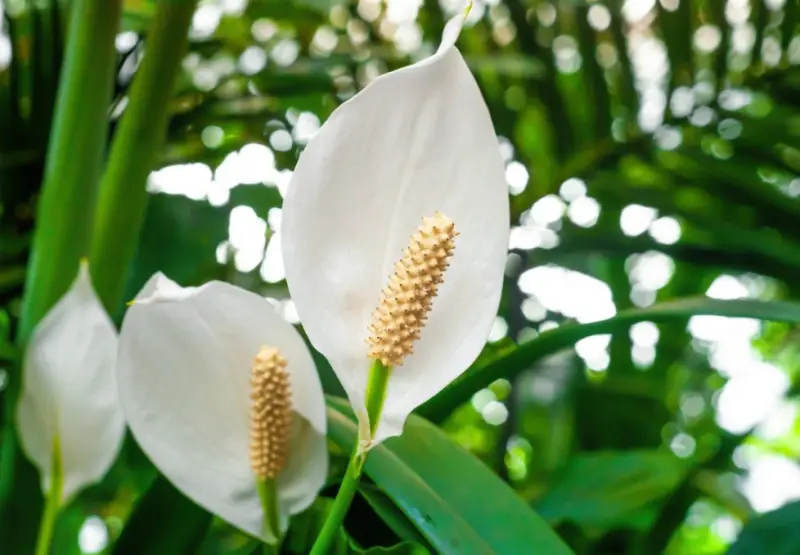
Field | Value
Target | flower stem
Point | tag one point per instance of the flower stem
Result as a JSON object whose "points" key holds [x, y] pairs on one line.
{"points": [[268, 493], [376, 394], [347, 490], [52, 504]]}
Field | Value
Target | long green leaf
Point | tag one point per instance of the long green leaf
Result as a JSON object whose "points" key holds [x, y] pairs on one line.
{"points": [[454, 500], [549, 342]]}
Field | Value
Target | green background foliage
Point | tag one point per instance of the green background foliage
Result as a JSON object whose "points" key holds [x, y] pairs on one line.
{"points": [[653, 159]]}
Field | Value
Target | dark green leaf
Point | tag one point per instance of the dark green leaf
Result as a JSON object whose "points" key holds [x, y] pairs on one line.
{"points": [[776, 533], [164, 522], [390, 514]]}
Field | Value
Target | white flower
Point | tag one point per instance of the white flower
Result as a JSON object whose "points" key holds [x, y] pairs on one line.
{"points": [[415, 142], [184, 368], [69, 392]]}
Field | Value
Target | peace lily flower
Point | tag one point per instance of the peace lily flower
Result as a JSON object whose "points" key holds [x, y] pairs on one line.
{"points": [[69, 420], [395, 234], [222, 395]]}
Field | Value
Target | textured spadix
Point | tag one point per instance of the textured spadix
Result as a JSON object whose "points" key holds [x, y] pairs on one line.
{"points": [[185, 366], [69, 390], [407, 299], [415, 141], [270, 414]]}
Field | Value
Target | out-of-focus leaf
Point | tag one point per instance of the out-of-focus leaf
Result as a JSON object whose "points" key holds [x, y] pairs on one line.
{"points": [[405, 548], [179, 238], [776, 533], [468, 511], [567, 335], [164, 522], [611, 489]]}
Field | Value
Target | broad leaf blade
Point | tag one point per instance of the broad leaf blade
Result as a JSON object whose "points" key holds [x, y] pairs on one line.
{"points": [[455, 501]]}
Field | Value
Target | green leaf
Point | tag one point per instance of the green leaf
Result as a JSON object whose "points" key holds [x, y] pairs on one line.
{"points": [[457, 503], [164, 522], [611, 489], [405, 548], [390, 514], [551, 341], [776, 533]]}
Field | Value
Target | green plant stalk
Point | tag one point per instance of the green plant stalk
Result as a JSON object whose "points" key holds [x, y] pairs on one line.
{"points": [[376, 395], [52, 503], [268, 493], [74, 158], [122, 199]]}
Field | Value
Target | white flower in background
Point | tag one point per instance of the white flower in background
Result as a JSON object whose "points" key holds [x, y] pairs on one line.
{"points": [[412, 155], [220, 392], [68, 412]]}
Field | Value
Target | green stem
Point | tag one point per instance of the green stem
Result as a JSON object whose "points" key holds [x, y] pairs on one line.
{"points": [[347, 490], [137, 145], [268, 493], [52, 504], [376, 395]]}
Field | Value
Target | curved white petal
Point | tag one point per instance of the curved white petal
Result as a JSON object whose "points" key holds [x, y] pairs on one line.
{"points": [[415, 141], [184, 376], [69, 390]]}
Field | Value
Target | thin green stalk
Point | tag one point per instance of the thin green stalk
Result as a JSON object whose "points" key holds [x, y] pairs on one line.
{"points": [[376, 395], [347, 490], [74, 157], [134, 153], [268, 493], [52, 504]]}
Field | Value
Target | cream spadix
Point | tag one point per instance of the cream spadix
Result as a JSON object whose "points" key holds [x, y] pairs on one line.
{"points": [[416, 143], [220, 392]]}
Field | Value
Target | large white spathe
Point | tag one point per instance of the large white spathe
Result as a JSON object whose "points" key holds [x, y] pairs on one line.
{"points": [[184, 368], [414, 141], [69, 391]]}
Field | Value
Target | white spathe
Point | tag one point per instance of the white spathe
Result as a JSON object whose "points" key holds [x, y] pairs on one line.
{"points": [[69, 391], [184, 366], [414, 141]]}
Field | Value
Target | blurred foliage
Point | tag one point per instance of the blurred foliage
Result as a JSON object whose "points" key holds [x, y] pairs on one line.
{"points": [[651, 146]]}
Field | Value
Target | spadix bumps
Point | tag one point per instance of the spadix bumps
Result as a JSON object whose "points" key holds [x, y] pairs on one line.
{"points": [[406, 301], [270, 414]]}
